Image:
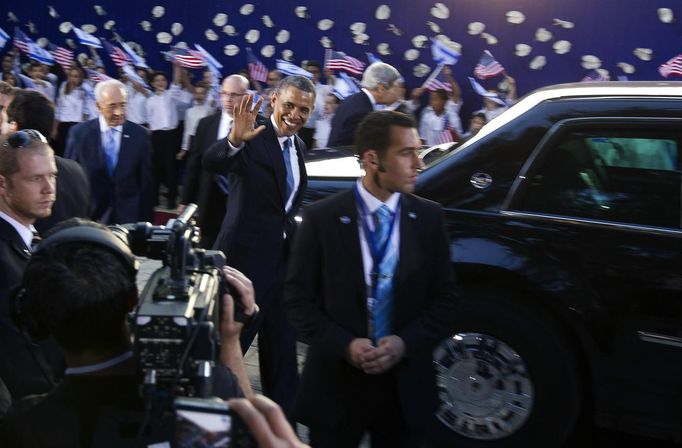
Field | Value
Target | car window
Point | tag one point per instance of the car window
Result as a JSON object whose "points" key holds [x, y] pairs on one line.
{"points": [[629, 176]]}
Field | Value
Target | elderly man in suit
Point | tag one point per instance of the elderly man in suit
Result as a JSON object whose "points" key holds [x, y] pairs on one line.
{"points": [[371, 330], [209, 191], [381, 85], [266, 180], [115, 154]]}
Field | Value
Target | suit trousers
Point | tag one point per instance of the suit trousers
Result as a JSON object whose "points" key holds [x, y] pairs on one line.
{"points": [[165, 144], [276, 346], [376, 411]]}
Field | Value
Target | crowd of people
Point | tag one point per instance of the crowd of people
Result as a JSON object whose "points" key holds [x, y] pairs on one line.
{"points": [[81, 154]]}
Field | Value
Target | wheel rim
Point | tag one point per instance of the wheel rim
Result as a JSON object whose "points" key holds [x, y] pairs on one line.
{"points": [[484, 389]]}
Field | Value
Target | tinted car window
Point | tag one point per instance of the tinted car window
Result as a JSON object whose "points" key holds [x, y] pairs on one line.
{"points": [[628, 176]]}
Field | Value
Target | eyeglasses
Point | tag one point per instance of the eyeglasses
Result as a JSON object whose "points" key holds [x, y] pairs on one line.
{"points": [[232, 95], [22, 139]]}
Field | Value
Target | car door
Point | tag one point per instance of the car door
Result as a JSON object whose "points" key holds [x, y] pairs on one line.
{"points": [[605, 197]]}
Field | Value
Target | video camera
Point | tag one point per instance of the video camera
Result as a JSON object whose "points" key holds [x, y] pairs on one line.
{"points": [[176, 323]]}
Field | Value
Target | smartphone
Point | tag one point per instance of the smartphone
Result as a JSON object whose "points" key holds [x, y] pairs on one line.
{"points": [[209, 422]]}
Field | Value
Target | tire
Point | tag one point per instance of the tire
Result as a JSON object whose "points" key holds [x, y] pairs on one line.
{"points": [[506, 378]]}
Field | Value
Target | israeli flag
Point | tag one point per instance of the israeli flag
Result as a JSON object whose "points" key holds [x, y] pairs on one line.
{"points": [[481, 91], [86, 38], [134, 57], [4, 38], [40, 54], [345, 86], [292, 69], [131, 74], [443, 54], [372, 58]]}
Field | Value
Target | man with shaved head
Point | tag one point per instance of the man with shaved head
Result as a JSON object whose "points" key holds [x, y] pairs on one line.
{"points": [[207, 190]]}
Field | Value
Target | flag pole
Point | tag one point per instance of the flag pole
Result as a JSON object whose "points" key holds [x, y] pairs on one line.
{"points": [[436, 71]]}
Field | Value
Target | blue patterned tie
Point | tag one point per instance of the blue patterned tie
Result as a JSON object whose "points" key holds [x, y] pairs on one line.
{"points": [[110, 151], [287, 162], [383, 306]]}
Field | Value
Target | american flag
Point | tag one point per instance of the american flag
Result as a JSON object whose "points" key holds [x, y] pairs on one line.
{"points": [[21, 40], [487, 66], [445, 136], [96, 76], [337, 60], [594, 76], [672, 67], [118, 56], [257, 70], [437, 81], [188, 58], [63, 56]]}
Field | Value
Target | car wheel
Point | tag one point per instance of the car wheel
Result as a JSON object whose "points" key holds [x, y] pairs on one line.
{"points": [[506, 378]]}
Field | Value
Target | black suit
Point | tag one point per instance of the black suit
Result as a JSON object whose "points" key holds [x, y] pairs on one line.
{"points": [[26, 368], [128, 192], [252, 240], [199, 186], [348, 115], [73, 195], [326, 298]]}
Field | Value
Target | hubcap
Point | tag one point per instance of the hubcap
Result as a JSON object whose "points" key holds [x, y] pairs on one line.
{"points": [[484, 389]]}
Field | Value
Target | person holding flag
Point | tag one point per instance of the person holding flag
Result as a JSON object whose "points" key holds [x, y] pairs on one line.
{"points": [[75, 104], [307, 132], [440, 121]]}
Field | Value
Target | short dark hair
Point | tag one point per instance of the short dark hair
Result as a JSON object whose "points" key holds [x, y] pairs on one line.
{"points": [[157, 73], [441, 93], [31, 110], [79, 292], [299, 82], [374, 131], [314, 63]]}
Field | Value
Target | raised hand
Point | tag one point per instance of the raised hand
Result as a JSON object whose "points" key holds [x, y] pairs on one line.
{"points": [[244, 116]]}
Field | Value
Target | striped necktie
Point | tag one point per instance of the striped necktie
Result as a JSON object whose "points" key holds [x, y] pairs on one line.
{"points": [[383, 307]]}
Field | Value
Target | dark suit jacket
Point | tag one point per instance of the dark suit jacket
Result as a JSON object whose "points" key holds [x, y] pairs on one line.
{"points": [[252, 232], [199, 185], [347, 117], [26, 368], [129, 191], [326, 296], [73, 195]]}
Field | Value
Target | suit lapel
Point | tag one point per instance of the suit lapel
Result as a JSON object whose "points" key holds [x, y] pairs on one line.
{"points": [[274, 151], [124, 148], [409, 244], [9, 234], [349, 240]]}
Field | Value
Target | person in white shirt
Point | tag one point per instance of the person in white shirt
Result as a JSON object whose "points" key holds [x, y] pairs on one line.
{"points": [[440, 120], [324, 124], [494, 107], [193, 115], [163, 119], [307, 132], [42, 85], [75, 104], [137, 98]]}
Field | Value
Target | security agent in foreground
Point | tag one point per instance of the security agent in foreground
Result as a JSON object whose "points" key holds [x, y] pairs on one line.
{"points": [[79, 287]]}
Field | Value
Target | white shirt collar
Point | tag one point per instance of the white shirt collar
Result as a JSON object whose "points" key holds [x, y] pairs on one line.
{"points": [[104, 127], [372, 202], [25, 232], [371, 98], [283, 137]]}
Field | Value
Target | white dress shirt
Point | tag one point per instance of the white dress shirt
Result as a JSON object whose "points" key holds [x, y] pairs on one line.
{"points": [[430, 124], [162, 110], [104, 131], [192, 117], [72, 107], [136, 110], [372, 204], [321, 92]]}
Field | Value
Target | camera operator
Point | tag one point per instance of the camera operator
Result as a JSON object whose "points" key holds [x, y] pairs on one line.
{"points": [[81, 293]]}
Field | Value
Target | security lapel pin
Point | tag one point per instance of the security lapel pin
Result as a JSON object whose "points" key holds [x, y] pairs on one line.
{"points": [[344, 220], [412, 215], [126, 136]]}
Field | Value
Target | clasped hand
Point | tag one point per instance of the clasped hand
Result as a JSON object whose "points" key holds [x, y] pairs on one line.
{"points": [[377, 359]]}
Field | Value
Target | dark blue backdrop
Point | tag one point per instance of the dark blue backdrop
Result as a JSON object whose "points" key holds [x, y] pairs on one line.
{"points": [[608, 29]]}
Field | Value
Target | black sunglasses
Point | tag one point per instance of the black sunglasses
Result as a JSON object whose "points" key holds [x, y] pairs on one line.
{"points": [[24, 138]]}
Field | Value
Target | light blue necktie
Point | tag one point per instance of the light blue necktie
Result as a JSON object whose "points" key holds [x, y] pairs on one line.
{"points": [[110, 151], [286, 153], [383, 307]]}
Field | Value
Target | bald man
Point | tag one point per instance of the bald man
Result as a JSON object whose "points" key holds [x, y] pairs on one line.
{"points": [[207, 190]]}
